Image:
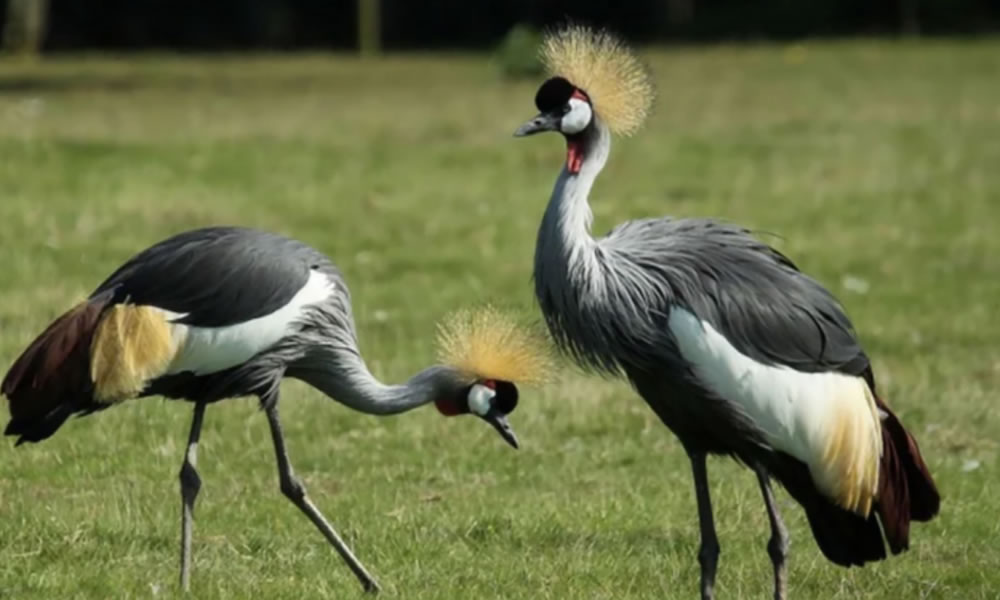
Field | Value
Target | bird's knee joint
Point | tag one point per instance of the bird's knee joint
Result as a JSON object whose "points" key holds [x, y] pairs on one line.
{"points": [[777, 547], [292, 488], [190, 481], [708, 554]]}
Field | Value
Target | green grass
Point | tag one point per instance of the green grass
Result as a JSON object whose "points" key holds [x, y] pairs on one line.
{"points": [[868, 160]]}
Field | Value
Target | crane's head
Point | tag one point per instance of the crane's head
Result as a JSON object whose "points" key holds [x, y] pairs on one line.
{"points": [[489, 399], [491, 352], [594, 77]]}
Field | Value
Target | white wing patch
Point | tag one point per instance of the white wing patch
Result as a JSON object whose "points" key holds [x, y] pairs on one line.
{"points": [[210, 349], [827, 420]]}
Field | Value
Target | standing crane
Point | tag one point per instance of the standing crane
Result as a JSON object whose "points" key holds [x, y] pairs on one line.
{"points": [[221, 312], [735, 350]]}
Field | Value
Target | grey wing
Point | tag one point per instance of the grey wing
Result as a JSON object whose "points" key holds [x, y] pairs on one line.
{"points": [[751, 293], [217, 276]]}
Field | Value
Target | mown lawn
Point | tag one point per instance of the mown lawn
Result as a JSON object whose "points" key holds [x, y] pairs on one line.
{"points": [[876, 166]]}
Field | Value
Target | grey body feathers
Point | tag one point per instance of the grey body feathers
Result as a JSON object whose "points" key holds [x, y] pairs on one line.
{"points": [[220, 276], [607, 303], [748, 291]]}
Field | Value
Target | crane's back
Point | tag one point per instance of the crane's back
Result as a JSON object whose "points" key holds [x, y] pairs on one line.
{"points": [[204, 315]]}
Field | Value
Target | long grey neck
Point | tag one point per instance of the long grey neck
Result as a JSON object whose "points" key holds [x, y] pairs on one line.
{"points": [[564, 236], [341, 373]]}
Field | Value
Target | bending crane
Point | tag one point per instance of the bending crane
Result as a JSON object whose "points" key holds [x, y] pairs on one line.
{"points": [[223, 312]]}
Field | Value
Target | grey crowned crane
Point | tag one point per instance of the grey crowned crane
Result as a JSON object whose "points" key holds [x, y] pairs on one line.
{"points": [[222, 312], [735, 350]]}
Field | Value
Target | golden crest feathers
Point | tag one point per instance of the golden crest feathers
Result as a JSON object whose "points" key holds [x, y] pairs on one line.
{"points": [[601, 65], [490, 344]]}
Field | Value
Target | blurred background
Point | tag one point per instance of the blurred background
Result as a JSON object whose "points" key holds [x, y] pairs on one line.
{"points": [[63, 25], [859, 137]]}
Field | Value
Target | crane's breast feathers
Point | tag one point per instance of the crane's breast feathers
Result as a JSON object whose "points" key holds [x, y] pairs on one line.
{"points": [[828, 420], [134, 344]]}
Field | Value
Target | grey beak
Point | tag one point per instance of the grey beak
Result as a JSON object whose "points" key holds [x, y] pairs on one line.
{"points": [[499, 422], [542, 122]]}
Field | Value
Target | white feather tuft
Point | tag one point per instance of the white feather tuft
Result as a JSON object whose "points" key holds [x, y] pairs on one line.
{"points": [[827, 420], [212, 349]]}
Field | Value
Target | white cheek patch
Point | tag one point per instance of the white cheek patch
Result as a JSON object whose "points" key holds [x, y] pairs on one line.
{"points": [[578, 117], [479, 399]]}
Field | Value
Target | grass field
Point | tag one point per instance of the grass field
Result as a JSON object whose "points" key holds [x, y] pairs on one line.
{"points": [[876, 165]]}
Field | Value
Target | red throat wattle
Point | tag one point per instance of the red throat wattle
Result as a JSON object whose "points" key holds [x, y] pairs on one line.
{"points": [[447, 407], [574, 156]]}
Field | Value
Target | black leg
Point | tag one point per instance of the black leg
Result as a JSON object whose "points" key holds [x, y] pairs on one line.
{"points": [[296, 492], [190, 485], [708, 554], [777, 546]]}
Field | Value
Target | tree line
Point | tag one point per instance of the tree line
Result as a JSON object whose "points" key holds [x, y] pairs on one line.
{"points": [[431, 24]]}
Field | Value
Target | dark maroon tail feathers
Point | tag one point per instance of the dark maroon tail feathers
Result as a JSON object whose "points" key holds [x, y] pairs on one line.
{"points": [[845, 538], [906, 493], [51, 379], [906, 489]]}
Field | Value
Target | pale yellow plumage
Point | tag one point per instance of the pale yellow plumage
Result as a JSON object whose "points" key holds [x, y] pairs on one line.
{"points": [[488, 343], [847, 466], [601, 65], [132, 345]]}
